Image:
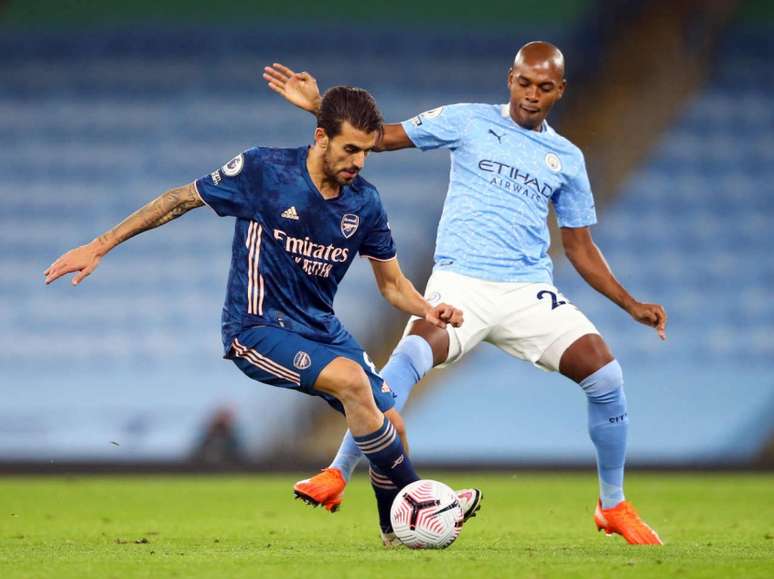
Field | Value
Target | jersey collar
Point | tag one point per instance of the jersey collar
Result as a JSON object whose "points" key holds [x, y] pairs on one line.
{"points": [[303, 153]]}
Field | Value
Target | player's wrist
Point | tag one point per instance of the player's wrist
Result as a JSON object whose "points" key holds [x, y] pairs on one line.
{"points": [[629, 304], [99, 246]]}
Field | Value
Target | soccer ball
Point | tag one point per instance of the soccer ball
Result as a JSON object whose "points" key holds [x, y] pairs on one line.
{"points": [[426, 515]]}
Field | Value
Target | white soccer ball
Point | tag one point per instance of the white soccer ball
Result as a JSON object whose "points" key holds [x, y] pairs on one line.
{"points": [[426, 515]]}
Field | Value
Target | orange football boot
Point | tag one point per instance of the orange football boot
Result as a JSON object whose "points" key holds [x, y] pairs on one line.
{"points": [[323, 489], [624, 520]]}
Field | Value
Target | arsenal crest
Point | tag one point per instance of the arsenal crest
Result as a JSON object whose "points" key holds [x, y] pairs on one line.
{"points": [[349, 225]]}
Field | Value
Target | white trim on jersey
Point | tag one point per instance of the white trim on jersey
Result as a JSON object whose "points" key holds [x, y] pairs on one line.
{"points": [[362, 255], [196, 188], [266, 364], [254, 278]]}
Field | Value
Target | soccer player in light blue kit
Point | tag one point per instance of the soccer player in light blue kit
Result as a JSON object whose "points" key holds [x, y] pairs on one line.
{"points": [[301, 217], [491, 261]]}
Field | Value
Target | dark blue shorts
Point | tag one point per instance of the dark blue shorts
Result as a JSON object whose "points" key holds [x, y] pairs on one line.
{"points": [[281, 358]]}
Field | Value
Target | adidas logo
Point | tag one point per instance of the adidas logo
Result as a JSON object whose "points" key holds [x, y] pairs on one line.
{"points": [[290, 213]]}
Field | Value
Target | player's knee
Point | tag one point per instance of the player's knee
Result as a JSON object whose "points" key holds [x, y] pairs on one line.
{"points": [[605, 385], [351, 383]]}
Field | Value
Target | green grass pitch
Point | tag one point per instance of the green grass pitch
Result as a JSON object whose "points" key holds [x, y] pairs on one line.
{"points": [[531, 525]]}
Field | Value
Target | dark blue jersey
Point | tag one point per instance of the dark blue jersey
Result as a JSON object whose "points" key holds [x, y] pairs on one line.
{"points": [[291, 246]]}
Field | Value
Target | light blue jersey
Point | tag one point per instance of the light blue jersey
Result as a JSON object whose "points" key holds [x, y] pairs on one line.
{"points": [[494, 223]]}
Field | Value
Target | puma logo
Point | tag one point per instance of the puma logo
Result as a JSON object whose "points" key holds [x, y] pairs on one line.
{"points": [[499, 137]]}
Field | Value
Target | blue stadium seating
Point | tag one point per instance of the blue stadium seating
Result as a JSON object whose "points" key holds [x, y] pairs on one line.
{"points": [[93, 125]]}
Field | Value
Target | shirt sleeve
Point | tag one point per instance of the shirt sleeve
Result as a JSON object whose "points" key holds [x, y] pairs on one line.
{"points": [[574, 201], [378, 243], [233, 189], [437, 128]]}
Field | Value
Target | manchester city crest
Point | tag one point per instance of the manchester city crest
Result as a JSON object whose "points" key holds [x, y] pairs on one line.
{"points": [[553, 162], [349, 225]]}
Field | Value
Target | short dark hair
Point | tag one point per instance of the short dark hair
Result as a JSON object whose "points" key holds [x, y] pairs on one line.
{"points": [[347, 103]]}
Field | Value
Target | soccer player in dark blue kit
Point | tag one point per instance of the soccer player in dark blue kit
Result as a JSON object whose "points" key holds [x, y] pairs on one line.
{"points": [[301, 216]]}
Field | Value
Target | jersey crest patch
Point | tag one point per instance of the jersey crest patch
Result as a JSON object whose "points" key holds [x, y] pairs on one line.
{"points": [[431, 114], [349, 224], [234, 166], [302, 360], [553, 162]]}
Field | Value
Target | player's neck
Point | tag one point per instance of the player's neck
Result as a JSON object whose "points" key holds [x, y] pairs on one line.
{"points": [[539, 128], [329, 189]]}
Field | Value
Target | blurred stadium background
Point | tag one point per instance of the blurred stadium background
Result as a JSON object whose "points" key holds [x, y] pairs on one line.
{"points": [[103, 105]]}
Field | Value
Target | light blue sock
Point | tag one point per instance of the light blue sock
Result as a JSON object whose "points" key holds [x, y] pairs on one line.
{"points": [[410, 361], [608, 428]]}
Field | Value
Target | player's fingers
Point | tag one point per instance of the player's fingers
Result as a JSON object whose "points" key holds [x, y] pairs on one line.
{"points": [[270, 78], [84, 273], [58, 269], [661, 325], [281, 68], [444, 312], [435, 320], [277, 88], [52, 275]]}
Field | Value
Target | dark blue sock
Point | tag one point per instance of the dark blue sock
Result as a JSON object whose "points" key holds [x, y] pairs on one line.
{"points": [[411, 359], [384, 450], [385, 492]]}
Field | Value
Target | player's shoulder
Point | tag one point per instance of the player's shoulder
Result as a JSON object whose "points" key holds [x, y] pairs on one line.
{"points": [[365, 189], [561, 142], [367, 195], [470, 109], [274, 155], [456, 110]]}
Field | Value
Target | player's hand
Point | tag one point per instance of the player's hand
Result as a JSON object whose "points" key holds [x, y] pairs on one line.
{"points": [[83, 259], [443, 314], [652, 315], [299, 88]]}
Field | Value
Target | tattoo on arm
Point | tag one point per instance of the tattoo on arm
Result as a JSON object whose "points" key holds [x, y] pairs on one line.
{"points": [[161, 210]]}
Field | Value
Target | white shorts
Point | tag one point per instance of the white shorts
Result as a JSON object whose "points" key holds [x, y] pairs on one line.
{"points": [[531, 321]]}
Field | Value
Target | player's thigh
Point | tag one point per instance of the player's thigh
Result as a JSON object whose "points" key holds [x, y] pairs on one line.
{"points": [[540, 325], [281, 358], [467, 294]]}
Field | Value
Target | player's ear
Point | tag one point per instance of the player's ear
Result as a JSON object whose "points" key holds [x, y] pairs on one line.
{"points": [[509, 78], [562, 86], [321, 138]]}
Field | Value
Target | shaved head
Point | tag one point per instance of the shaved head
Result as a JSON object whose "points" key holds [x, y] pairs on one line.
{"points": [[541, 55], [536, 82]]}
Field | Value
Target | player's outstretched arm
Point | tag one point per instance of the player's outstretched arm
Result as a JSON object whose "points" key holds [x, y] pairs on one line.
{"points": [[162, 209], [300, 89], [401, 294], [588, 260]]}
